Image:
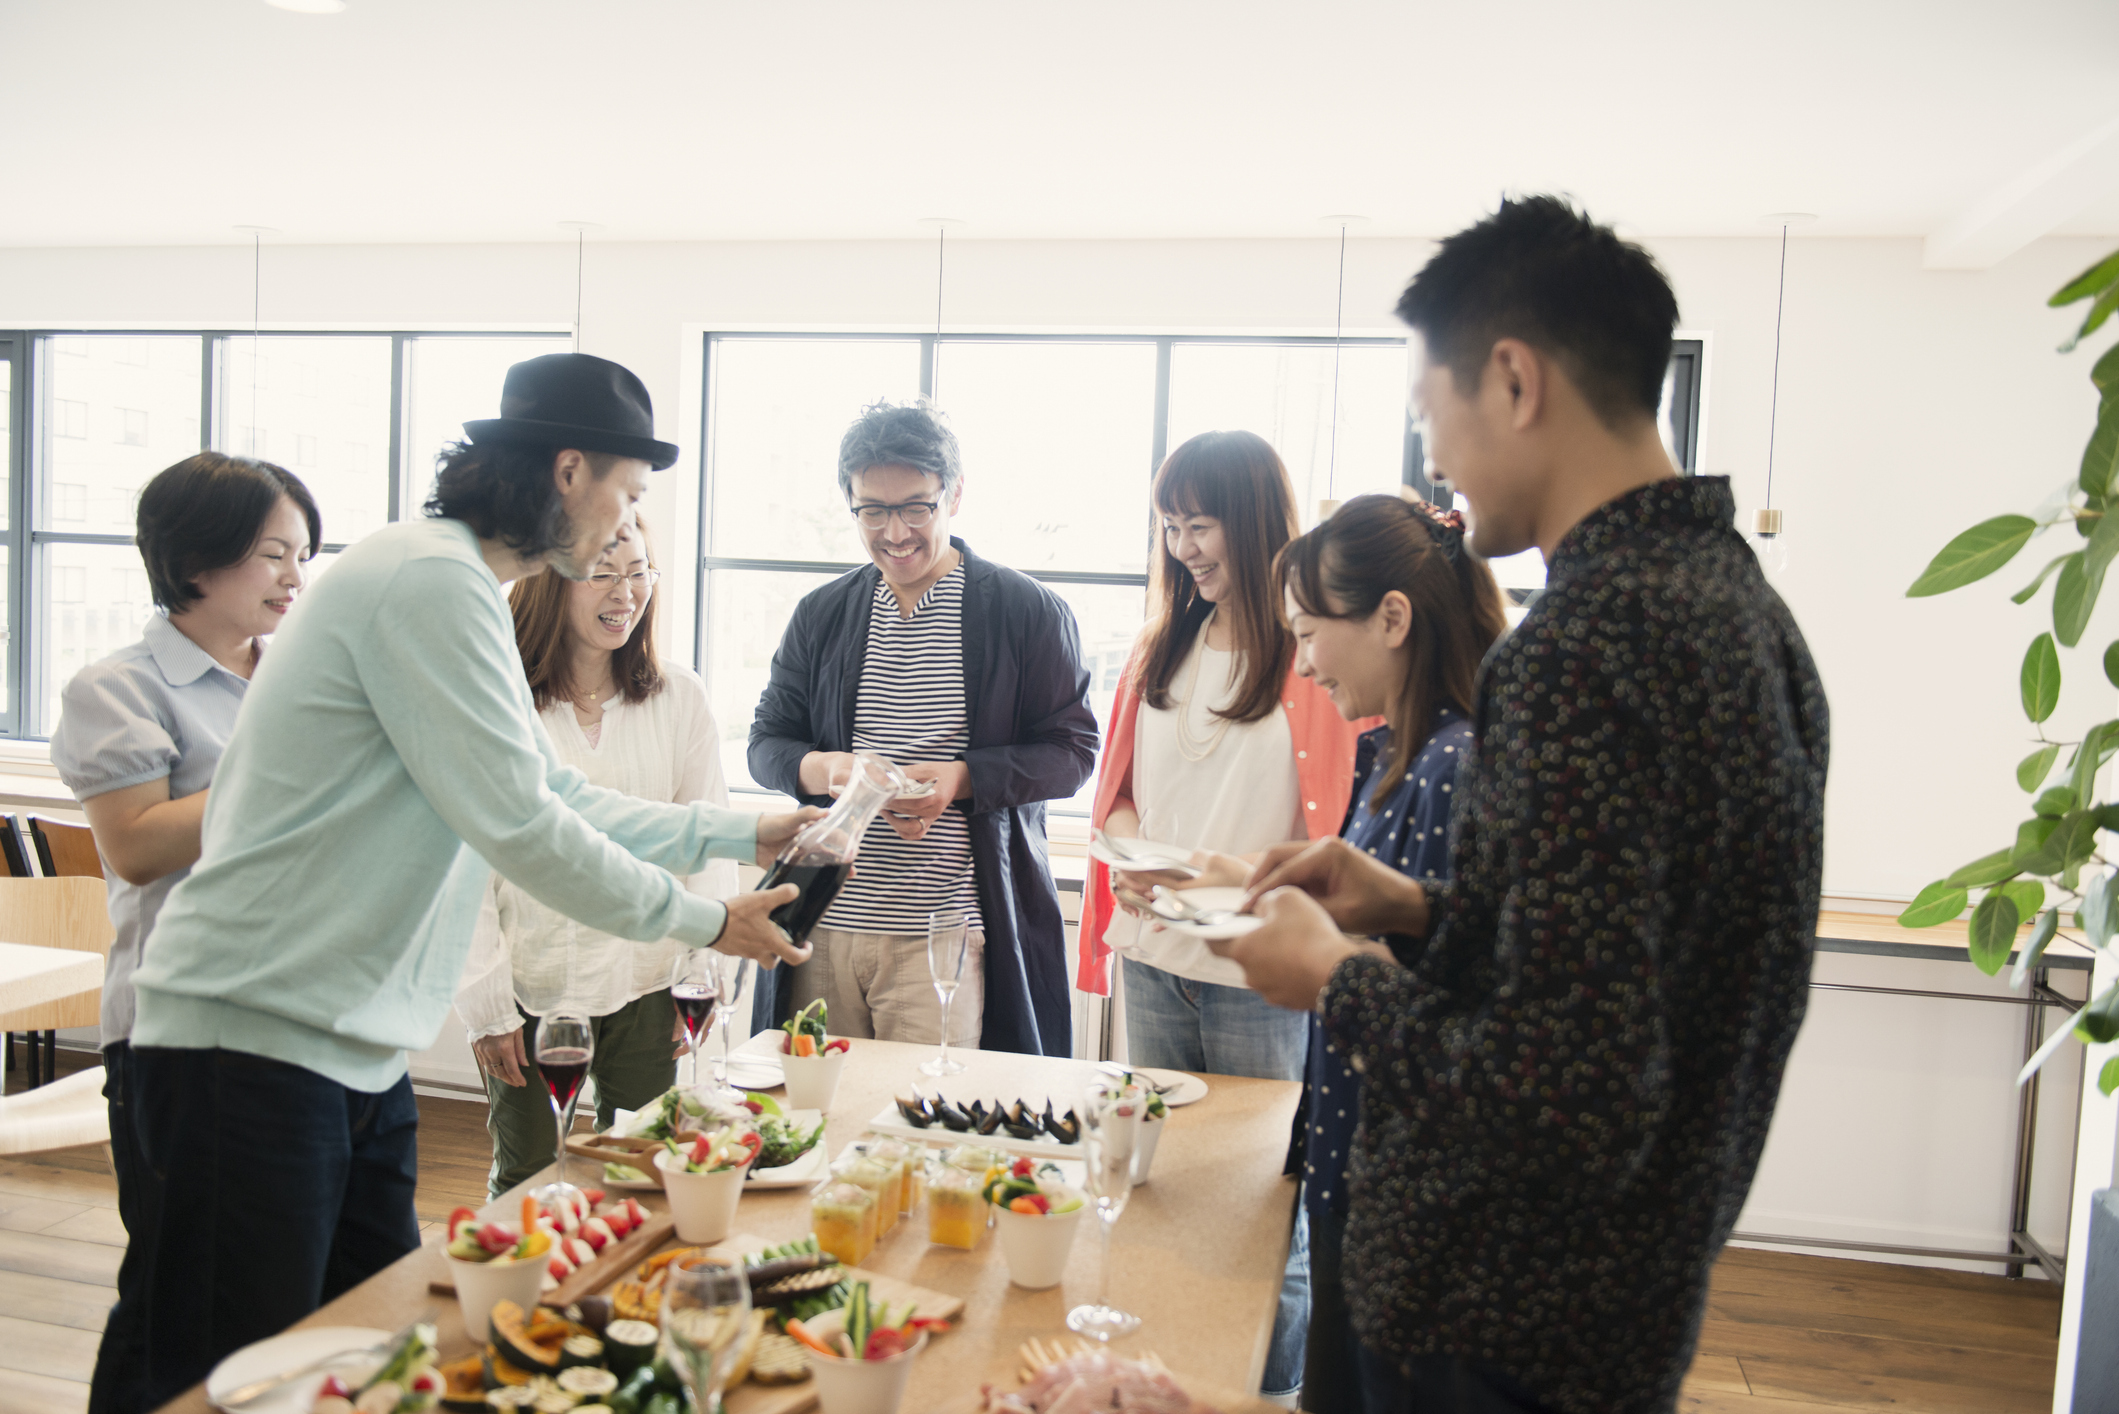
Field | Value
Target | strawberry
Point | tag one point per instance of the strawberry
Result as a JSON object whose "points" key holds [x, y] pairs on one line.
{"points": [[884, 1343], [1022, 1168], [593, 1196], [497, 1238]]}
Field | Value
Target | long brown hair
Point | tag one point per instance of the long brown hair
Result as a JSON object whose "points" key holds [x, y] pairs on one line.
{"points": [[543, 639], [1237, 478], [1374, 544]]}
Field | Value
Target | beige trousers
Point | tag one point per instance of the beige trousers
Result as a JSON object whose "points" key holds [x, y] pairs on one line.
{"points": [[876, 986]]}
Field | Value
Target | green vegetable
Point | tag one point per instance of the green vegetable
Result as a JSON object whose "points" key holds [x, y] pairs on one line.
{"points": [[784, 1143], [860, 1320], [623, 1173], [639, 1386], [810, 1021], [805, 1308], [415, 1350], [666, 1376], [765, 1103], [663, 1402]]}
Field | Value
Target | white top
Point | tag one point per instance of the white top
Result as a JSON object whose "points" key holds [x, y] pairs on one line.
{"points": [[911, 708], [665, 749], [1241, 798]]}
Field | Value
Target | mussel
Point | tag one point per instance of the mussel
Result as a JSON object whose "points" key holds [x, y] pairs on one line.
{"points": [[916, 1112], [950, 1116], [1067, 1130], [990, 1122]]}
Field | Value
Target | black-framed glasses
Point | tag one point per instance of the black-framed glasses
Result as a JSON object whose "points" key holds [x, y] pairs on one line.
{"points": [[915, 514], [643, 581]]}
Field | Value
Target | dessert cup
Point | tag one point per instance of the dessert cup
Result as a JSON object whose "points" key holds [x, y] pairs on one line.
{"points": [[812, 1081], [480, 1286], [1035, 1245], [704, 1204]]}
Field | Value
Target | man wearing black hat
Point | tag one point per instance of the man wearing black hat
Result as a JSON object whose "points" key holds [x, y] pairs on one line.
{"points": [[388, 755]]}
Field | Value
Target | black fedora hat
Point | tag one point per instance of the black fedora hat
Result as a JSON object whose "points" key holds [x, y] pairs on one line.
{"points": [[575, 400]]}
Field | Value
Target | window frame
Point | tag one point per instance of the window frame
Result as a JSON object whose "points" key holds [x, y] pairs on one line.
{"points": [[29, 351]]}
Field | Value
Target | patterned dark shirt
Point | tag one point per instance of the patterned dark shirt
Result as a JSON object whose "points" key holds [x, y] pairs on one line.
{"points": [[1566, 1095], [1408, 830]]}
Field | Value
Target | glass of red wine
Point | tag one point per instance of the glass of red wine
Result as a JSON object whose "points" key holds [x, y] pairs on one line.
{"points": [[695, 990], [565, 1044]]}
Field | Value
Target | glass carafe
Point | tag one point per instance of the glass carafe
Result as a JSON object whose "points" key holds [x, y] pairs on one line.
{"points": [[821, 856]]}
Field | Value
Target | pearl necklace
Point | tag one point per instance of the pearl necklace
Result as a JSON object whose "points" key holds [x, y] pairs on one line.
{"points": [[1188, 746]]}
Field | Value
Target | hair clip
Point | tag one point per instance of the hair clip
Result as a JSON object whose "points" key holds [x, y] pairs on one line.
{"points": [[1447, 527]]}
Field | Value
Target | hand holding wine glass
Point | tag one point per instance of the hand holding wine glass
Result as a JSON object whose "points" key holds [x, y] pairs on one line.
{"points": [[566, 1042], [948, 945], [705, 1310]]}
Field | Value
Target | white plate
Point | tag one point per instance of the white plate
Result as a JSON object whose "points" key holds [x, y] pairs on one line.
{"points": [[1145, 855], [290, 1351], [799, 1174], [890, 1121], [1180, 1088], [1211, 898]]}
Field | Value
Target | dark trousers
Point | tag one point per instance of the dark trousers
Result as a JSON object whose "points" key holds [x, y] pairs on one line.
{"points": [[1440, 1384], [1331, 1374], [122, 1357], [270, 1190]]}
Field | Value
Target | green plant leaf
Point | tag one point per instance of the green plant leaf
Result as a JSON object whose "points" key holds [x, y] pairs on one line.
{"points": [[2077, 837], [2027, 894], [2100, 457], [2108, 817], [2032, 770], [2042, 933], [1974, 555], [1991, 869], [2074, 596], [2055, 803], [2071, 877], [2094, 320], [1937, 903], [2097, 747], [2088, 283], [2030, 591], [2095, 914], [2040, 678], [1993, 932], [2105, 371], [2099, 1021], [2108, 1078], [2041, 846]]}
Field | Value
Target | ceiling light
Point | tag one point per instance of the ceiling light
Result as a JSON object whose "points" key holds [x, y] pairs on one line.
{"points": [[309, 7]]}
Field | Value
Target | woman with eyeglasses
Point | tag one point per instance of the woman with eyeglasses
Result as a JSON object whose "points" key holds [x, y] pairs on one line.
{"points": [[629, 722]]}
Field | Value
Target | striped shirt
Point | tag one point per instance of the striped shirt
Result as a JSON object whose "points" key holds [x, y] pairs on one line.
{"points": [[911, 707]]}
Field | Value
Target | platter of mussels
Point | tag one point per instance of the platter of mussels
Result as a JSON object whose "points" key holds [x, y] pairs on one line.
{"points": [[1013, 1126]]}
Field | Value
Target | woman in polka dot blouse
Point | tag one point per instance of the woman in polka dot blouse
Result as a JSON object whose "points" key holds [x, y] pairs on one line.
{"points": [[1391, 615]]}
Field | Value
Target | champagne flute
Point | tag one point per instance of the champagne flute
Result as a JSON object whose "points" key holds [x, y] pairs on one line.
{"points": [[948, 944], [1111, 1120], [565, 1043], [695, 986], [734, 974], [705, 1310]]}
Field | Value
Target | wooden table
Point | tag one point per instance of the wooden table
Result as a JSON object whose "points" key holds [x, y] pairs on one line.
{"points": [[1198, 1253], [31, 976]]}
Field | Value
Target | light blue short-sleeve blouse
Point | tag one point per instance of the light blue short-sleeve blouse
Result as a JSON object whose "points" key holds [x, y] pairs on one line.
{"points": [[161, 707]]}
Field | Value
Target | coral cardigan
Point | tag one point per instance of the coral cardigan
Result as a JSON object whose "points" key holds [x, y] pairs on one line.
{"points": [[1324, 768]]}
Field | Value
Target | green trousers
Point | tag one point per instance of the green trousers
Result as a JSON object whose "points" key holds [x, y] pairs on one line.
{"points": [[632, 1065]]}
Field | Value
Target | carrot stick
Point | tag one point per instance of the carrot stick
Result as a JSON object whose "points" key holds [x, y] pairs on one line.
{"points": [[801, 1332]]}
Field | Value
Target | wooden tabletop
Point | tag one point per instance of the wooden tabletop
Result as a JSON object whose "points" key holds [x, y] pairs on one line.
{"points": [[1198, 1253], [31, 976], [1879, 935]]}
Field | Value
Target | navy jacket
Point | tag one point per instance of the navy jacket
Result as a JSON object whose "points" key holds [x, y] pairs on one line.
{"points": [[1033, 739]]}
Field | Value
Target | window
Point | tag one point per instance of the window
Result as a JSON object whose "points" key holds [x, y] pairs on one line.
{"points": [[356, 416]]}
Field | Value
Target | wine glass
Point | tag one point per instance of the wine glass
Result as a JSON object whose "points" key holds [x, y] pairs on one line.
{"points": [[734, 974], [948, 943], [695, 987], [565, 1043], [705, 1310], [1111, 1119]]}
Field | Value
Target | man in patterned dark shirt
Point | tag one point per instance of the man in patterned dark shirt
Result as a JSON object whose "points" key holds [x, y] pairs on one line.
{"points": [[1566, 1094]]}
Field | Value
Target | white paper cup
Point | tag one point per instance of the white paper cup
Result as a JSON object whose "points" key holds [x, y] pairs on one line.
{"points": [[812, 1081], [704, 1204], [861, 1386], [1035, 1246], [1151, 1130], [480, 1286]]}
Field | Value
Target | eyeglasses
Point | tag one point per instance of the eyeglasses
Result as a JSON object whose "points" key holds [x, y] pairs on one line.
{"points": [[916, 514], [643, 581]]}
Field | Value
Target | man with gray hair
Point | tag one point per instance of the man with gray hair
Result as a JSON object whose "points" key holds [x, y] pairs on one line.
{"points": [[963, 673]]}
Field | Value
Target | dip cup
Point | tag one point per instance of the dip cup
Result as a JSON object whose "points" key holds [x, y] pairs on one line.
{"points": [[860, 1167], [704, 1204], [480, 1286], [1151, 1129], [1036, 1245], [842, 1217], [859, 1386], [956, 1210], [812, 1081]]}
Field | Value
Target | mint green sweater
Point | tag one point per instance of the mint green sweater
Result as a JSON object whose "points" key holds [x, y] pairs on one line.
{"points": [[386, 755]]}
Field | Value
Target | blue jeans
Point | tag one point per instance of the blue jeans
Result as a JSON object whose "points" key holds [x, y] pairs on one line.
{"points": [[269, 1191], [122, 1356], [1175, 1023]]}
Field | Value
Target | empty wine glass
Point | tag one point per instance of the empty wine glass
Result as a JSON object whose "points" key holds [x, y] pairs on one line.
{"points": [[948, 944], [695, 987], [565, 1043], [1111, 1120], [734, 975], [705, 1310]]}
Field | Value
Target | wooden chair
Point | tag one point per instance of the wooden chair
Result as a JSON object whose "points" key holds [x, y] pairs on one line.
{"points": [[64, 851], [55, 913]]}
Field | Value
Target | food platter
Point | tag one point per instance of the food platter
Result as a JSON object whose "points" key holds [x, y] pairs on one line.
{"points": [[290, 1350]]}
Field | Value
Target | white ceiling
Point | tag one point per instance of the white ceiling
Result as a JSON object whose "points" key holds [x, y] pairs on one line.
{"points": [[153, 122]]}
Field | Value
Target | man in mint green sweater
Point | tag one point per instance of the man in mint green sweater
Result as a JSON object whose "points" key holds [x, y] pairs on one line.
{"points": [[386, 758]]}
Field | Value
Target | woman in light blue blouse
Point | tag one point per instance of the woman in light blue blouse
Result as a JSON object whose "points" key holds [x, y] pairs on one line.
{"points": [[139, 735]]}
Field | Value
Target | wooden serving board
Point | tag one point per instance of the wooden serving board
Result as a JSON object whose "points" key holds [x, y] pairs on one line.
{"points": [[611, 1149], [614, 1261]]}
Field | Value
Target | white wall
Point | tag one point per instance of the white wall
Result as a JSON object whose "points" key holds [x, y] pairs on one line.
{"points": [[1912, 403]]}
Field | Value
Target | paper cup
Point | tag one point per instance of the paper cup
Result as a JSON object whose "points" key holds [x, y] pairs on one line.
{"points": [[480, 1286], [861, 1386], [812, 1081], [704, 1204], [1036, 1245], [1151, 1130]]}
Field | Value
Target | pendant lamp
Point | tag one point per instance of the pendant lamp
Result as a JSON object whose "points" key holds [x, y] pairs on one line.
{"points": [[1329, 502], [1769, 540], [580, 230]]}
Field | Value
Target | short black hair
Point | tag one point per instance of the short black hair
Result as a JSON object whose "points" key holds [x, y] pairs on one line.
{"points": [[1541, 271], [206, 513], [505, 492], [901, 434]]}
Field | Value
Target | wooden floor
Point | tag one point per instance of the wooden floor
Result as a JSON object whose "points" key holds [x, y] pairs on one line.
{"points": [[1785, 1334]]}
